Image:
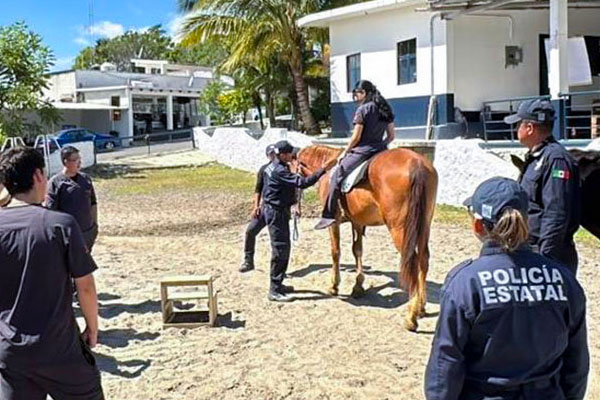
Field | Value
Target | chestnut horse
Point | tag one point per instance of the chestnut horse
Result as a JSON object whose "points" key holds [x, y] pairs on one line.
{"points": [[400, 193]]}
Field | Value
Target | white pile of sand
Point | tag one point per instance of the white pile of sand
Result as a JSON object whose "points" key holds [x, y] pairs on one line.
{"points": [[462, 165]]}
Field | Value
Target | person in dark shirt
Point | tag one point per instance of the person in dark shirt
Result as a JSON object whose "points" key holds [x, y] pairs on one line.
{"points": [[279, 194], [71, 191], [257, 223], [550, 177], [373, 131], [41, 349], [512, 322]]}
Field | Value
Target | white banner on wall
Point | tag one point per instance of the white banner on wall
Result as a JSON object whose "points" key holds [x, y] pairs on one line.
{"points": [[580, 72]]}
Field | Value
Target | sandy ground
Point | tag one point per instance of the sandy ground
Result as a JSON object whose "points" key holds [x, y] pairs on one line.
{"points": [[317, 347]]}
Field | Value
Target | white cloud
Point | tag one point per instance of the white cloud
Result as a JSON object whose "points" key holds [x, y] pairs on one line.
{"points": [[107, 29], [82, 41]]}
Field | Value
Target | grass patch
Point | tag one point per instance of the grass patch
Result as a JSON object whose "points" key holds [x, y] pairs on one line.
{"points": [[451, 215], [209, 177]]}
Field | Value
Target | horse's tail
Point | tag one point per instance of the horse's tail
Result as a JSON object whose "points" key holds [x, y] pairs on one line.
{"points": [[415, 225]]}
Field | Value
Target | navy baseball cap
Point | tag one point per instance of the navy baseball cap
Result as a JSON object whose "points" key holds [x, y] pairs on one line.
{"points": [[270, 149], [495, 195], [538, 110], [283, 146]]}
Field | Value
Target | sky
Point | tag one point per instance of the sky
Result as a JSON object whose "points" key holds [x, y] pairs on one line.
{"points": [[64, 24]]}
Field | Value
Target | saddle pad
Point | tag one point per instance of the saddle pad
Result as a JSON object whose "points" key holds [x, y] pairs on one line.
{"points": [[355, 177]]}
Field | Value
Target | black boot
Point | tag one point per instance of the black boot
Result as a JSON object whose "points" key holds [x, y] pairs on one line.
{"points": [[247, 265]]}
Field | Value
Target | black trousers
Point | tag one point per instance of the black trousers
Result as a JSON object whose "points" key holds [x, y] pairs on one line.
{"points": [[346, 165], [75, 378], [254, 227], [278, 221]]}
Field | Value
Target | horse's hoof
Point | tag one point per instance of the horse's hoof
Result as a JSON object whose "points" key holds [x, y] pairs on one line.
{"points": [[422, 313], [410, 325], [333, 291], [357, 292]]}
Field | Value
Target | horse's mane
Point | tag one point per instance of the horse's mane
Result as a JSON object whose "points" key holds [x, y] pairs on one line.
{"points": [[314, 156]]}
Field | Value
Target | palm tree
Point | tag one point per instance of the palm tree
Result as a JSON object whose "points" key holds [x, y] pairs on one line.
{"points": [[258, 30]]}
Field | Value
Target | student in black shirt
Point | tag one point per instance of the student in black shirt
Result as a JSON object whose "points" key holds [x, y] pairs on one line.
{"points": [[71, 191], [41, 349]]}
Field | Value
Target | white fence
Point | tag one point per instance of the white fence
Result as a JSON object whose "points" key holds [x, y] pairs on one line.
{"points": [[461, 164]]}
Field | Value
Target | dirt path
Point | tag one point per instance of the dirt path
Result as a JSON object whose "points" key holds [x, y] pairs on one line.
{"points": [[317, 347]]}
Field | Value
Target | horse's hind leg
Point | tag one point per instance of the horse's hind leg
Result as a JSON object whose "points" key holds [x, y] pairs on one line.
{"points": [[357, 248], [414, 305], [423, 269], [334, 235]]}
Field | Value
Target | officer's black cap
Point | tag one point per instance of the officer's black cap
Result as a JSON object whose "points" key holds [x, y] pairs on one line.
{"points": [[283, 146], [538, 110], [495, 195]]}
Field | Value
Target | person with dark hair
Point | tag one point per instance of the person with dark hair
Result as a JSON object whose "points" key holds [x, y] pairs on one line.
{"points": [[72, 191], [257, 223], [279, 194], [41, 349], [373, 131], [550, 177], [512, 322]]}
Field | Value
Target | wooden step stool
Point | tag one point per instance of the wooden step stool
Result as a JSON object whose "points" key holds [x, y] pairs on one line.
{"points": [[206, 314]]}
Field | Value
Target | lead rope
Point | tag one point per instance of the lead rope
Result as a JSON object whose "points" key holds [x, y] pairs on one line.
{"points": [[296, 232]]}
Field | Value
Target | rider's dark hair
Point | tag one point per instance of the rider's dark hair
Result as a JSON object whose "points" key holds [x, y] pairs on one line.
{"points": [[372, 94]]}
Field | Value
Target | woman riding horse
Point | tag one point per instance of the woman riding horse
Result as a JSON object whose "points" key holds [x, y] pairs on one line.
{"points": [[373, 119]]}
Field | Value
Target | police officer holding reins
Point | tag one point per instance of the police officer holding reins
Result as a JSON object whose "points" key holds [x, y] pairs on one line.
{"points": [[512, 322], [550, 177], [279, 194]]}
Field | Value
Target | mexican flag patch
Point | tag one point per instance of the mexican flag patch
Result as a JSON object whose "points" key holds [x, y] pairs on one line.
{"points": [[561, 174]]}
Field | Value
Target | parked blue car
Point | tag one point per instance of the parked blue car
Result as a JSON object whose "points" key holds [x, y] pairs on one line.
{"points": [[101, 141]]}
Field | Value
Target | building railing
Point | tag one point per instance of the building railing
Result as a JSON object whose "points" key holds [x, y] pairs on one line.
{"points": [[581, 114], [493, 113]]}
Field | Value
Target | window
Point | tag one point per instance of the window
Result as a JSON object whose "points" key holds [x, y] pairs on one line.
{"points": [[407, 62], [352, 71]]}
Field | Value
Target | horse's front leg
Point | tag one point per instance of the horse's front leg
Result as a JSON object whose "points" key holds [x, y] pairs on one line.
{"points": [[334, 235], [357, 249]]}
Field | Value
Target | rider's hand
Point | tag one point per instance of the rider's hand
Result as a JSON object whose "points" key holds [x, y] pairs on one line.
{"points": [[342, 155]]}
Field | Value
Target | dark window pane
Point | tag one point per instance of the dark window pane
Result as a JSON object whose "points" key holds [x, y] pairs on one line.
{"points": [[352, 71], [407, 61]]}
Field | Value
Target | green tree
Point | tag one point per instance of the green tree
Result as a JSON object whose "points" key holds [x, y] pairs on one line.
{"points": [[150, 44], [259, 30], [209, 102], [24, 64], [235, 103]]}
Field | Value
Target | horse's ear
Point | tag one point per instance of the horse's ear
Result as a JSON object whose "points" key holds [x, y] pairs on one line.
{"points": [[517, 162]]}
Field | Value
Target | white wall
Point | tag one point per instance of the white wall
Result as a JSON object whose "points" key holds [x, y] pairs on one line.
{"points": [[478, 71], [60, 85], [104, 97], [376, 36]]}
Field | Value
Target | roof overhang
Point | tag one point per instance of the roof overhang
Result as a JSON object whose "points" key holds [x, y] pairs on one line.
{"points": [[61, 105], [324, 18], [472, 6]]}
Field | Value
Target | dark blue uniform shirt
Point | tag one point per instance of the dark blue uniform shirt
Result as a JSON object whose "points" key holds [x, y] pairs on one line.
{"points": [[280, 184], [551, 179], [509, 322], [259, 179]]}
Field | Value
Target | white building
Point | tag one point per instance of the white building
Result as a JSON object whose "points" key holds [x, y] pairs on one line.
{"points": [[160, 97], [466, 54]]}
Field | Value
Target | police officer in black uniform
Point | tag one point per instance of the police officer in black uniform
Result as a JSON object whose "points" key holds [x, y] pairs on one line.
{"points": [[279, 194], [512, 322], [257, 223], [551, 179]]}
